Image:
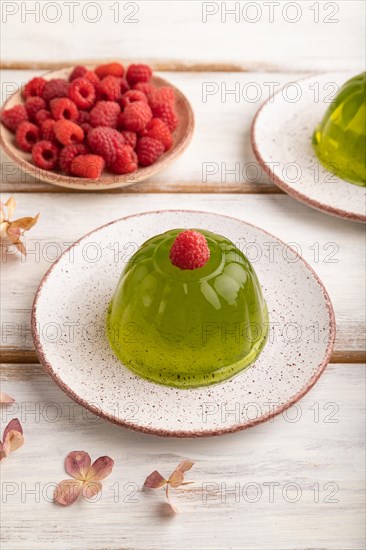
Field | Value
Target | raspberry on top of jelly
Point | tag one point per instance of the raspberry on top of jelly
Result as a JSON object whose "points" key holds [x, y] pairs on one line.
{"points": [[189, 250]]}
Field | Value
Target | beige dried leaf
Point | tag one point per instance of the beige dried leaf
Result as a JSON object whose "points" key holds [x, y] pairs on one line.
{"points": [[3, 229], [10, 204], [20, 246], [24, 223], [14, 230]]}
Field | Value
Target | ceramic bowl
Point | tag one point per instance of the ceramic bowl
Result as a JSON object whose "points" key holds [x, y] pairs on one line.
{"points": [[182, 137]]}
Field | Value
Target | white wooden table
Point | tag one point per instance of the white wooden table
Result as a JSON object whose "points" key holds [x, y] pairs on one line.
{"points": [[294, 482]]}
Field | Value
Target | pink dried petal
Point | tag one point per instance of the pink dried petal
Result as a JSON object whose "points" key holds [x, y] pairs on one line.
{"points": [[13, 236], [12, 438], [177, 476], [91, 488], [13, 231], [100, 469], [68, 491], [5, 398], [14, 425], [77, 464], [155, 481]]}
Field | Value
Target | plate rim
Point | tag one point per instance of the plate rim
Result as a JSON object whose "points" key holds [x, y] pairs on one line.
{"points": [[322, 207], [184, 433], [86, 184]]}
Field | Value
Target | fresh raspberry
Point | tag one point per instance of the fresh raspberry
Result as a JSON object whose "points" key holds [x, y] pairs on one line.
{"points": [[84, 121], [11, 118], [92, 77], [189, 250], [47, 130], [86, 127], [34, 87], [45, 155], [67, 132], [132, 95], [138, 73], [34, 104], [84, 116], [165, 94], [149, 150], [109, 89], [82, 93], [126, 161], [157, 129], [105, 142], [78, 72], [114, 69], [42, 115], [124, 85], [27, 135], [144, 87], [57, 87], [63, 107], [87, 166], [68, 154], [130, 138], [136, 116], [167, 113], [105, 113]]}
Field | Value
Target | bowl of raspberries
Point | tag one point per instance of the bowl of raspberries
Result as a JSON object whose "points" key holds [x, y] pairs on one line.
{"points": [[96, 128]]}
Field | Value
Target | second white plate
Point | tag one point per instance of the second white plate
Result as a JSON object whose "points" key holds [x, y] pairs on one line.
{"points": [[281, 140]]}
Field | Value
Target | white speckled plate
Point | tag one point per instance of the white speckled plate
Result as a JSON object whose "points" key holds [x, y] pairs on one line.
{"points": [[68, 323], [281, 140]]}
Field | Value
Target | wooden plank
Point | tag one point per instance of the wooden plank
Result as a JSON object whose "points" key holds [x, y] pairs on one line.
{"points": [[162, 66], [237, 35], [195, 187], [294, 454], [11, 356], [334, 248], [348, 357]]}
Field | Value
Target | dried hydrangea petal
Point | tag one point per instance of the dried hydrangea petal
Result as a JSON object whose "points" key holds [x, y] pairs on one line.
{"points": [[68, 491], [25, 223], [10, 205], [155, 481], [77, 464], [100, 469], [13, 230], [177, 476], [12, 438], [91, 488], [5, 398]]}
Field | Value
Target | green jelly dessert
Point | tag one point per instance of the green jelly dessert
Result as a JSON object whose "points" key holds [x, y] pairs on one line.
{"points": [[340, 139], [190, 325]]}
